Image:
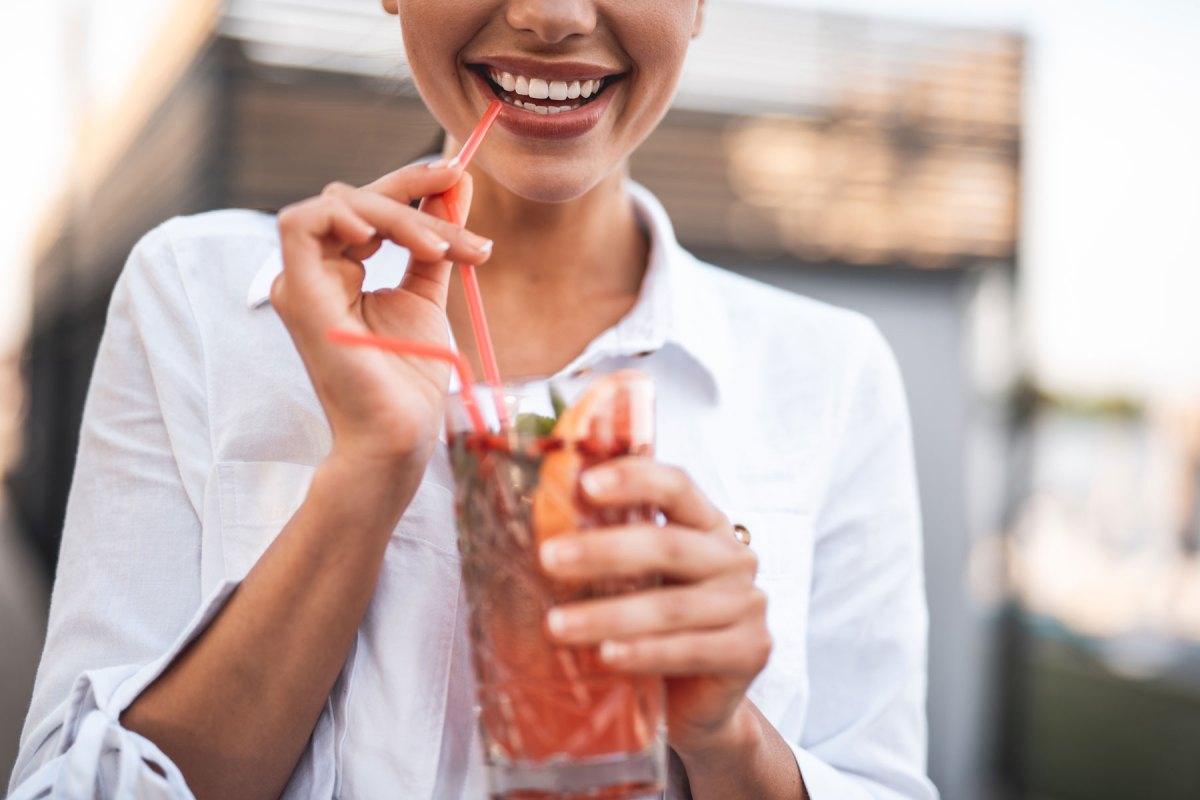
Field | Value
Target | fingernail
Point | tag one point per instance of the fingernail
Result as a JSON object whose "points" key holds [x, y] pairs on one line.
{"points": [[480, 243], [443, 163], [372, 231], [436, 242], [613, 651], [556, 554], [598, 481], [556, 621]]}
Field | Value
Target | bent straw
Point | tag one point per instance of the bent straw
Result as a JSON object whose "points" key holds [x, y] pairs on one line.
{"points": [[483, 338], [476, 138], [406, 347]]}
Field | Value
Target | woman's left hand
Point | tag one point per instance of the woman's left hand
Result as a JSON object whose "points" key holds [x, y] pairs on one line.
{"points": [[704, 629]]}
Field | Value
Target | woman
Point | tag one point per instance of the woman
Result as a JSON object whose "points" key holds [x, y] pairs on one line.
{"points": [[258, 592]]}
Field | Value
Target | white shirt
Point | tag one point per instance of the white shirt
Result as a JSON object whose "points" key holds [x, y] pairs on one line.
{"points": [[201, 434]]}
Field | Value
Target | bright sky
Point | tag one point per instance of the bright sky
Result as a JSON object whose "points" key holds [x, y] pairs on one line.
{"points": [[1112, 206], [1113, 196]]}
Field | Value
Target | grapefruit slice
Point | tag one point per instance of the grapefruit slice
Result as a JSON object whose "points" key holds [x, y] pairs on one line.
{"points": [[613, 416]]}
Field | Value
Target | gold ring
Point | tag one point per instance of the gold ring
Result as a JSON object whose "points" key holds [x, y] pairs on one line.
{"points": [[741, 533]]}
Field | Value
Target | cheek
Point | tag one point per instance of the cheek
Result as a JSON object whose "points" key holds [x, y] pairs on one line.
{"points": [[658, 53], [657, 41], [434, 32], [659, 30]]}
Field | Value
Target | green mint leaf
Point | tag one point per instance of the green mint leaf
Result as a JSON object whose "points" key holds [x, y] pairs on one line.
{"points": [[557, 401], [533, 425]]}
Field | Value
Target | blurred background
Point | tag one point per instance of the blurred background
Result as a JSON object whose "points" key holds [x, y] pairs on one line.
{"points": [[1010, 188]]}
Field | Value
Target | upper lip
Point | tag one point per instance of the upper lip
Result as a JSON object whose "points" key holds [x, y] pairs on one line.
{"points": [[548, 70]]}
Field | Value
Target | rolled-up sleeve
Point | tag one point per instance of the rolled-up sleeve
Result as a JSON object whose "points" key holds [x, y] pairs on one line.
{"points": [[865, 731], [127, 594]]}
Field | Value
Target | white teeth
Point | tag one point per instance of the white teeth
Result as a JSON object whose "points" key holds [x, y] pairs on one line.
{"points": [[537, 109], [544, 89]]}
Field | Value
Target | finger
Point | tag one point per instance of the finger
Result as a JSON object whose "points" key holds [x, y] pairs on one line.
{"points": [[634, 550], [739, 652], [637, 480], [415, 181], [308, 231], [424, 235], [321, 301], [365, 251], [676, 609], [311, 224], [453, 205], [431, 278]]}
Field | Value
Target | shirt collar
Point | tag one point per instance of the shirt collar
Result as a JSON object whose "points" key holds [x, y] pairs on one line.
{"points": [[678, 304]]}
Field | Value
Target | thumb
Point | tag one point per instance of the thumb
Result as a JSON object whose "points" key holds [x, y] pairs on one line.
{"points": [[453, 205], [431, 279]]}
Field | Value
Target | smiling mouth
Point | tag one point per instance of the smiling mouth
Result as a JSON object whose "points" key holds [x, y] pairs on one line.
{"points": [[543, 95]]}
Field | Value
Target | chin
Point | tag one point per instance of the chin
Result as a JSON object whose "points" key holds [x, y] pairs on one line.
{"points": [[549, 181]]}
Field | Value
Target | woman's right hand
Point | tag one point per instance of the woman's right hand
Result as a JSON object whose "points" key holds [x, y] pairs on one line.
{"points": [[384, 411]]}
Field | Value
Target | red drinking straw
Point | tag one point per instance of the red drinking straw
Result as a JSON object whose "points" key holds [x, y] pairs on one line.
{"points": [[476, 138], [406, 347], [483, 338]]}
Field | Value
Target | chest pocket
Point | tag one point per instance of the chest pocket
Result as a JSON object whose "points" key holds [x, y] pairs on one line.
{"points": [[250, 503], [257, 498], [397, 669]]}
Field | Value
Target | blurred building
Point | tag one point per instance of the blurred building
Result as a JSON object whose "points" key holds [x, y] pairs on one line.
{"points": [[870, 163]]}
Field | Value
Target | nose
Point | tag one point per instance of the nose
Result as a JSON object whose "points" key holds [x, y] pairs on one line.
{"points": [[552, 21]]}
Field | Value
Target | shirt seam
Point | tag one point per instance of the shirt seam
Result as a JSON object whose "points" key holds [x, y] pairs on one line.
{"points": [[837, 440], [191, 310]]}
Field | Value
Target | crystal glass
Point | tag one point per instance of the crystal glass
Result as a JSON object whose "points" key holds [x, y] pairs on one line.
{"points": [[555, 721]]}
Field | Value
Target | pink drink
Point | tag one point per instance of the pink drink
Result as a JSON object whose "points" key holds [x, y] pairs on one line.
{"points": [[555, 721]]}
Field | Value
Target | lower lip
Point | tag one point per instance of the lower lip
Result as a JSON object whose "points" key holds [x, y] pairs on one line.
{"points": [[563, 125]]}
